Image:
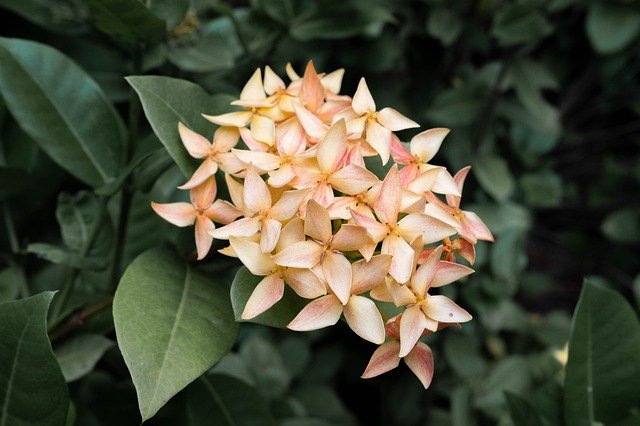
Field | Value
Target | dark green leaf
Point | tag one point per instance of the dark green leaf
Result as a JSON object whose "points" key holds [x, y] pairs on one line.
{"points": [[218, 399], [462, 354], [602, 379], [267, 366], [80, 354], [623, 226], [610, 26], [542, 189], [504, 217], [494, 176], [512, 374], [461, 410], [279, 315], [32, 388], [168, 101], [82, 218], [172, 323], [62, 109], [64, 256], [548, 401], [520, 23], [10, 279], [171, 11], [210, 53], [455, 107], [522, 412], [508, 257], [60, 16], [127, 19], [323, 402], [445, 25]]}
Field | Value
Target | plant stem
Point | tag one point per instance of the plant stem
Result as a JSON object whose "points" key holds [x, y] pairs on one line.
{"points": [[485, 118], [78, 318]]}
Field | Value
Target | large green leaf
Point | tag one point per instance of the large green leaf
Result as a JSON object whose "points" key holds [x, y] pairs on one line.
{"points": [[168, 101], [218, 399], [602, 374], [172, 323], [279, 315], [610, 26], [32, 388], [127, 19], [494, 176], [62, 109], [79, 355]]}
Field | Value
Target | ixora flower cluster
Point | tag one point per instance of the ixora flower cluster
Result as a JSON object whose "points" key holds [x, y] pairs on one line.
{"points": [[307, 213]]}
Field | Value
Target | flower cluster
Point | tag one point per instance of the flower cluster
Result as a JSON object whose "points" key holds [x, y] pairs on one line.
{"points": [[308, 214]]}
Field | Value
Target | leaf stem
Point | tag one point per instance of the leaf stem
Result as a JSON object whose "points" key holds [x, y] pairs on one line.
{"points": [[78, 318]]}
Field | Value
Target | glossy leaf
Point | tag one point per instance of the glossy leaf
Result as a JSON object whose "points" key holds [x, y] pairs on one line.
{"points": [[130, 20], [279, 315], [32, 388], [226, 401], [172, 322], [62, 109], [168, 101], [80, 354], [601, 382]]}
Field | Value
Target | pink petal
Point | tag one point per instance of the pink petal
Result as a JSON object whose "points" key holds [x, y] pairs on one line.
{"points": [[245, 227], [384, 359], [235, 191], [233, 119], [444, 184], [407, 175], [251, 142], [317, 223], [272, 83], [399, 153], [282, 176], [422, 279], [379, 138], [207, 169], [203, 195], [261, 160], [266, 294], [435, 210], [305, 254], [352, 179], [257, 197], [387, 205], [229, 163], [322, 312], [333, 81], [365, 320], [253, 89], [197, 145], [412, 324], [367, 275], [401, 295], [311, 91], [403, 256], [443, 309], [263, 129], [290, 137], [362, 100], [394, 121], [425, 145], [311, 124], [179, 214], [459, 179], [250, 254], [448, 272], [467, 251], [322, 194], [420, 361], [354, 156], [339, 209], [288, 204], [225, 138], [269, 234], [350, 238], [332, 147], [222, 212], [380, 293], [292, 232], [476, 226], [203, 239], [432, 229], [304, 282], [337, 271], [375, 229]]}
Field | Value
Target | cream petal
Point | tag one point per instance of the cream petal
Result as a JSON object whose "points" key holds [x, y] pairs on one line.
{"points": [[293, 76], [362, 100], [251, 142], [384, 359], [444, 184], [203, 195], [322, 194], [436, 211], [233, 119], [253, 89], [387, 204], [282, 176], [203, 239], [443, 309], [333, 147], [290, 137], [245, 227], [420, 361], [269, 234], [422, 279], [448, 272], [292, 232], [311, 90], [377, 231], [339, 209], [263, 129], [381, 293], [317, 223], [235, 191], [459, 178], [356, 126], [322, 312], [222, 211], [250, 254], [367, 275], [229, 163], [352, 179], [305, 254], [262, 160], [364, 319], [207, 169], [394, 121], [402, 262], [476, 226], [266, 294], [256, 194], [350, 238], [379, 138], [401, 294], [272, 83], [225, 138], [425, 145], [333, 81], [179, 214], [304, 282], [337, 271], [412, 324], [311, 124], [432, 229], [197, 145], [399, 153]]}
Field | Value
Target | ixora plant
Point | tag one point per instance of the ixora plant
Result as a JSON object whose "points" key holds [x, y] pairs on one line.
{"points": [[307, 213]]}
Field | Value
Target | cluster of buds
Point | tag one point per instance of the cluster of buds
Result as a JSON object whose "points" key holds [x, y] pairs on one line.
{"points": [[306, 212]]}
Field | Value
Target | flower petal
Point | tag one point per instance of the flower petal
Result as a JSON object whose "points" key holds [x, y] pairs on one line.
{"points": [[288, 204], [253, 89], [317, 223], [472, 224], [352, 179], [443, 309], [179, 214], [420, 361], [272, 83], [425, 145], [304, 282], [245, 227], [282, 176], [384, 359], [399, 153], [375, 229], [448, 272], [337, 271], [225, 138], [311, 124], [430, 228], [250, 254], [305, 254], [203, 195], [402, 263], [290, 137], [412, 324], [269, 234], [266, 294], [261, 160], [367, 275], [311, 90], [222, 211], [332, 147], [263, 129], [292, 232], [387, 204], [320, 313], [394, 121], [207, 169], [197, 145], [203, 239], [381, 293], [235, 191], [365, 320], [333, 81], [350, 238], [362, 100], [257, 197], [379, 138], [233, 119], [422, 278]]}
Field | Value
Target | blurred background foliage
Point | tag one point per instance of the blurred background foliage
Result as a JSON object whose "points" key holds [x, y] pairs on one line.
{"points": [[543, 99]]}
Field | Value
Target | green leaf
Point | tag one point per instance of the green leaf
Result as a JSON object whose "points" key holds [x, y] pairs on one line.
{"points": [[602, 379], [445, 25], [267, 365], [623, 226], [462, 354], [82, 219], [211, 53], [168, 101], [548, 401], [494, 176], [79, 355], [508, 256], [60, 16], [542, 189], [522, 412], [512, 374], [520, 23], [461, 410], [127, 19], [504, 217], [10, 279], [226, 401], [455, 107], [171, 11], [62, 109], [172, 322], [611, 27], [64, 256], [32, 388], [279, 315]]}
